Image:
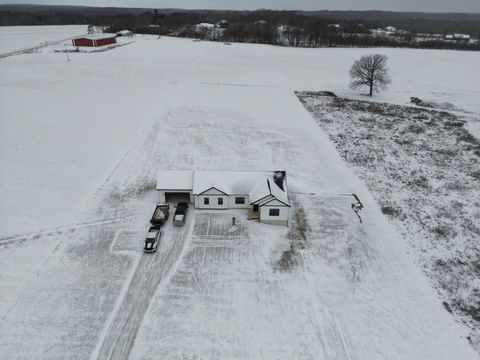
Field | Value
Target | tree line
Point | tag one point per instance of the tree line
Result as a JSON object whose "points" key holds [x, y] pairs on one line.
{"points": [[298, 28]]}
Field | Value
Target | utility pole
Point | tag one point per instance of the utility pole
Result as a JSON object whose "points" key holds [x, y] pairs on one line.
{"points": [[66, 52]]}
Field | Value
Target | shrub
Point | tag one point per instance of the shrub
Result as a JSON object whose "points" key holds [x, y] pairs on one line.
{"points": [[392, 211]]}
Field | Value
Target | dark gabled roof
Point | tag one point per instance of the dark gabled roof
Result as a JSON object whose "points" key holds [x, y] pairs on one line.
{"points": [[213, 187], [274, 198]]}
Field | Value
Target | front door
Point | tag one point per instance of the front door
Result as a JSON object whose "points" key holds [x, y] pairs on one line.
{"points": [[255, 208]]}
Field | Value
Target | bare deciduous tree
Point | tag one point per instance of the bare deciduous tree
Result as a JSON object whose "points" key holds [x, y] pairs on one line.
{"points": [[370, 71]]}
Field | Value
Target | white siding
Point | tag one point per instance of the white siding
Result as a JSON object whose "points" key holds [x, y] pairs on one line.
{"points": [[265, 210], [213, 191], [161, 197], [273, 202], [232, 205], [213, 204], [228, 201]]}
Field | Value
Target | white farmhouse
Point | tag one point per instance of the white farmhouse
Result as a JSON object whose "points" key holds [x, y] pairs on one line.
{"points": [[391, 29], [204, 27], [263, 193]]}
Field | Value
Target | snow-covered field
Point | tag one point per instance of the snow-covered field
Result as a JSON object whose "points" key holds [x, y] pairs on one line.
{"points": [[13, 38], [423, 168], [80, 142]]}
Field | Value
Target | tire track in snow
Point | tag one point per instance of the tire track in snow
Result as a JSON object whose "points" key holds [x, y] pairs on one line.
{"points": [[333, 338], [35, 47], [118, 336], [58, 230], [150, 272]]}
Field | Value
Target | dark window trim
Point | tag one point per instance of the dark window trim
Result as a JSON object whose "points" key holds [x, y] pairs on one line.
{"points": [[274, 212], [220, 201], [238, 201], [206, 201]]}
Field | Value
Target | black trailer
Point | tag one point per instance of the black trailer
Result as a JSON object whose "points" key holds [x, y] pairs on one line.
{"points": [[160, 215]]}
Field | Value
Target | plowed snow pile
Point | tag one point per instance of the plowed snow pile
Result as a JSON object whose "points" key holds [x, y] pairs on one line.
{"points": [[423, 168]]}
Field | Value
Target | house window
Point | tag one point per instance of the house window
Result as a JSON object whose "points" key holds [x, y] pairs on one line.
{"points": [[220, 201], [206, 201], [240, 200], [274, 212]]}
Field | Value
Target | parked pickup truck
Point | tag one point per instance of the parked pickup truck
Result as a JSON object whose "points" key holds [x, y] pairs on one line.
{"points": [[160, 215], [180, 214], [152, 240]]}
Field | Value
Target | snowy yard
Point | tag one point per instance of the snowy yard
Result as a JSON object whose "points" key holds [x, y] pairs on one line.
{"points": [[80, 155], [423, 168], [13, 38], [347, 295]]}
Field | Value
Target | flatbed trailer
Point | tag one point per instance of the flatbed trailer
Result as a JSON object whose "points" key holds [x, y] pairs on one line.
{"points": [[160, 215]]}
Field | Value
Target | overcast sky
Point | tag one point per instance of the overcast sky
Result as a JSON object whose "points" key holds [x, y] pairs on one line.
{"points": [[471, 6]]}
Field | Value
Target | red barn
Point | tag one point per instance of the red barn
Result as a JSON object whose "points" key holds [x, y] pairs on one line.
{"points": [[94, 40]]}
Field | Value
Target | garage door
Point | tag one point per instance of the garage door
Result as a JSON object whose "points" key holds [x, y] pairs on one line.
{"points": [[175, 197]]}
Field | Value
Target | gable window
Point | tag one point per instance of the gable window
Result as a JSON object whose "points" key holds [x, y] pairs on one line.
{"points": [[240, 200], [220, 201], [206, 201], [274, 212]]}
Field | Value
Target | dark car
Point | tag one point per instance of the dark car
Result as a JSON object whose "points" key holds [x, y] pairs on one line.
{"points": [[152, 240], [180, 214]]}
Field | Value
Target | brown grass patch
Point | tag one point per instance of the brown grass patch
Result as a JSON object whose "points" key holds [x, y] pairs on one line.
{"points": [[297, 234]]}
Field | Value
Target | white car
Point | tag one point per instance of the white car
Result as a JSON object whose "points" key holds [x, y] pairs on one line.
{"points": [[152, 240]]}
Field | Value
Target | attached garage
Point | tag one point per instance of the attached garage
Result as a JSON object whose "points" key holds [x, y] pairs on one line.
{"points": [[175, 186]]}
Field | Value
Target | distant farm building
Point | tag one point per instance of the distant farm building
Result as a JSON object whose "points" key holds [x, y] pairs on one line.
{"points": [[263, 193], [223, 24], [124, 33], [335, 27], [94, 40], [204, 27]]}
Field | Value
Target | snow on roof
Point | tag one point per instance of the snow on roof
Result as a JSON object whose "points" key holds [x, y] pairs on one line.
{"points": [[279, 193], [205, 25], [96, 36], [229, 182], [260, 191], [124, 32], [257, 184], [268, 190], [175, 180]]}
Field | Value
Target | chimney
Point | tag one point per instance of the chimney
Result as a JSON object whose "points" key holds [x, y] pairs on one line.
{"points": [[278, 178]]}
